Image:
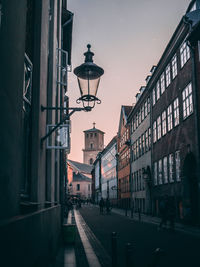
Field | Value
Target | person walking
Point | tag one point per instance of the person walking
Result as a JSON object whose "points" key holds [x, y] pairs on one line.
{"points": [[171, 214], [101, 205], [163, 209], [108, 206]]}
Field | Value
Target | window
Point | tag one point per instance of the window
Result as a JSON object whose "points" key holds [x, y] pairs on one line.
{"points": [[187, 101], [165, 172], [174, 66], [154, 132], [139, 117], [140, 147], [91, 135], [137, 149], [146, 141], [142, 111], [91, 145], [164, 123], [95, 134], [87, 135], [158, 128], [184, 53], [176, 112], [145, 109], [178, 164], [148, 105], [169, 118], [78, 187], [136, 120], [168, 75], [155, 173], [162, 83], [154, 96], [134, 151], [143, 144], [158, 90], [171, 167], [160, 171], [91, 161], [88, 187], [134, 123], [149, 132]]}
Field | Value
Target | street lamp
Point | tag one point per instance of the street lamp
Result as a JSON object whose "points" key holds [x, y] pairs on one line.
{"points": [[88, 75]]}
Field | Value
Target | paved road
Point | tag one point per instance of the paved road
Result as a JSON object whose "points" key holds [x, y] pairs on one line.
{"points": [[181, 250]]}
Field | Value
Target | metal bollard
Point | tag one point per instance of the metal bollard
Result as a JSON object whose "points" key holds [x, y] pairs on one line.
{"points": [[129, 250], [132, 213], [114, 248], [156, 257], [139, 215], [125, 211]]}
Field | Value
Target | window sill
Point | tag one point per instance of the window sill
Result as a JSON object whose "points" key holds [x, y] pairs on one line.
{"points": [[28, 207]]}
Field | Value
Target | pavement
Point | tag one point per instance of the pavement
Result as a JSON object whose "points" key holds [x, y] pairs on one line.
{"points": [[89, 250]]}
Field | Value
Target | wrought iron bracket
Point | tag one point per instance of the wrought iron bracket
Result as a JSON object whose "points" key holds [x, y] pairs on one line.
{"points": [[67, 117]]}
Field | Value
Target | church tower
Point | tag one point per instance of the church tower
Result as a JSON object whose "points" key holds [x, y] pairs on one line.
{"points": [[94, 143]]}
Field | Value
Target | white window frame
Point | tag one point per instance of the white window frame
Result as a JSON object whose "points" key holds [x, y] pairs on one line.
{"points": [[155, 173], [169, 118], [171, 168], [159, 132], [164, 123], [160, 181], [165, 170], [174, 66], [154, 96], [176, 112], [187, 101], [168, 75], [154, 131], [158, 90], [162, 83], [184, 53], [178, 166]]}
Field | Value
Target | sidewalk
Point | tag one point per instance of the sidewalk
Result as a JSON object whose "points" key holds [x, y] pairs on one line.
{"points": [[187, 229]]}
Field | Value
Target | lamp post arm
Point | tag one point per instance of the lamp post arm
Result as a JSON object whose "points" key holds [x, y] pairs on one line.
{"points": [[73, 110]]}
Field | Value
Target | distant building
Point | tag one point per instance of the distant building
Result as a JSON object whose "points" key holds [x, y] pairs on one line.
{"points": [[139, 120], [79, 179], [108, 171], [94, 143], [123, 166]]}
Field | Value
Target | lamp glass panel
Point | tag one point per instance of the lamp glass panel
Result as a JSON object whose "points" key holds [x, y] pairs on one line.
{"points": [[88, 87]]}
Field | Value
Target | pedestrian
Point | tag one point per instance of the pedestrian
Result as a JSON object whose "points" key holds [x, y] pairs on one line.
{"points": [[163, 209], [101, 205], [171, 214], [108, 206]]}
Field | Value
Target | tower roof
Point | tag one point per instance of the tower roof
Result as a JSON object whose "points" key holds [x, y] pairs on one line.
{"points": [[94, 129]]}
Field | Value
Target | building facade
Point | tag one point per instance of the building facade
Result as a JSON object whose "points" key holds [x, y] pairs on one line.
{"points": [[140, 125], [108, 171], [123, 164], [31, 177], [174, 126], [94, 143]]}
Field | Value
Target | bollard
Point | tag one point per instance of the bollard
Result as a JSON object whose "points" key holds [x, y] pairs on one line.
{"points": [[139, 215], [125, 211], [129, 250], [156, 257], [132, 213], [114, 248]]}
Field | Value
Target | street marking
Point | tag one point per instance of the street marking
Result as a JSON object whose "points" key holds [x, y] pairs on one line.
{"points": [[90, 254]]}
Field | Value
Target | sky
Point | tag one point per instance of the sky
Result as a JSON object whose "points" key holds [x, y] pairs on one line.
{"points": [[127, 37]]}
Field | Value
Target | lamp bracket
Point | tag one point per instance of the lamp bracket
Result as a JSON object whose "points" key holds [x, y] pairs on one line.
{"points": [[67, 117]]}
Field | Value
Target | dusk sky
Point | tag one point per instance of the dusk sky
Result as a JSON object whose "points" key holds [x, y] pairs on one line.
{"points": [[128, 37]]}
